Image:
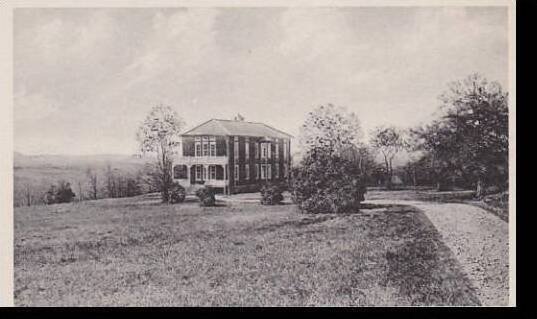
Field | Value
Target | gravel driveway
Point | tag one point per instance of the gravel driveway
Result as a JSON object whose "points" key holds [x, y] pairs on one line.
{"points": [[478, 239]]}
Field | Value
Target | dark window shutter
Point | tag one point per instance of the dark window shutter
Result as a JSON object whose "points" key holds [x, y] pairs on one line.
{"points": [[220, 146], [219, 172]]}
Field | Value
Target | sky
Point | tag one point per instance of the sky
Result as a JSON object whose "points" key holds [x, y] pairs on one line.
{"points": [[84, 79]]}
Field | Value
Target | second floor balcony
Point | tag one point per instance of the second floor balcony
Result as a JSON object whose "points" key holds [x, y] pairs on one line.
{"points": [[195, 160]]}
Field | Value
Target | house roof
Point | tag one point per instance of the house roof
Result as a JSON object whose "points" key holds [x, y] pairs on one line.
{"points": [[236, 128]]}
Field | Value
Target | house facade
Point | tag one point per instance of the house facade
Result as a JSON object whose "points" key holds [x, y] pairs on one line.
{"points": [[232, 156]]}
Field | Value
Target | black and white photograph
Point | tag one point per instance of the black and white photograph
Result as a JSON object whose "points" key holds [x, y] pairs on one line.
{"points": [[226, 155]]}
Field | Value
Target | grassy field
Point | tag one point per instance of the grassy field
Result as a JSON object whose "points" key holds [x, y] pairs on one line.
{"points": [[138, 252]]}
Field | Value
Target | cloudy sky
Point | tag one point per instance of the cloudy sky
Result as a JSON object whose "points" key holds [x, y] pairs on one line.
{"points": [[85, 78]]}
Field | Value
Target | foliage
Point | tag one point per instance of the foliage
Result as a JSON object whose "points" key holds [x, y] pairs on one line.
{"points": [[326, 183], [388, 141], [159, 135], [62, 193], [119, 185], [330, 128], [177, 194], [471, 138], [206, 196], [271, 194]]}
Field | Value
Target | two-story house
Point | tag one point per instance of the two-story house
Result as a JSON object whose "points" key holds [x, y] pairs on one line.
{"points": [[232, 156]]}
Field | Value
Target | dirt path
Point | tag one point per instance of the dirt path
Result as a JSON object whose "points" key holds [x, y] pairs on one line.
{"points": [[478, 239]]}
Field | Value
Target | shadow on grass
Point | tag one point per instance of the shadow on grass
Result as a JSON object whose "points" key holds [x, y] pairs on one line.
{"points": [[424, 268]]}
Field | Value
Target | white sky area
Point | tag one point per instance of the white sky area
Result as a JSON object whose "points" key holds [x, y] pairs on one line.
{"points": [[85, 78]]}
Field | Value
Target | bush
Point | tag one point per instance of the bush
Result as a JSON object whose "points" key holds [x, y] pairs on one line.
{"points": [[177, 193], [271, 194], [327, 183], [206, 196], [59, 194]]}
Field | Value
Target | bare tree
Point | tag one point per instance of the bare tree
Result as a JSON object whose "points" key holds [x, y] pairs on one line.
{"points": [[80, 192], [159, 135], [92, 175], [388, 141], [28, 194]]}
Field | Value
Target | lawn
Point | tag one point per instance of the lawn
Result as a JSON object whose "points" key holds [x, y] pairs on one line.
{"points": [[138, 252]]}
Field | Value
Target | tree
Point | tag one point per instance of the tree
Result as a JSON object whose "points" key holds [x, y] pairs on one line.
{"points": [[388, 141], [110, 188], [329, 178], [92, 176], [28, 194], [159, 135], [471, 137], [478, 111], [330, 128], [80, 191]]}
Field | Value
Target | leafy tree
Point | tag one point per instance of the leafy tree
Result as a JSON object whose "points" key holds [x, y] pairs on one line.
{"points": [[330, 128], [471, 137], [329, 177], [159, 135], [389, 141]]}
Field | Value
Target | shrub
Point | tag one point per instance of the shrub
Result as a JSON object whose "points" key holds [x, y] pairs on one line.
{"points": [[206, 196], [271, 194], [327, 183], [177, 193], [59, 194]]}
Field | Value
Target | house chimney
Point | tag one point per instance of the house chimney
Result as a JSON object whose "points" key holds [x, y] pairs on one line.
{"points": [[239, 117]]}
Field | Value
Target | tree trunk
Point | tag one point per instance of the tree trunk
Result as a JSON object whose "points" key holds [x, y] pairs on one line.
{"points": [[479, 188], [388, 180]]}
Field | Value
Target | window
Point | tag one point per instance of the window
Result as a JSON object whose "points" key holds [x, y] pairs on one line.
{"points": [[197, 147], [263, 171], [277, 171], [205, 146], [263, 150], [212, 146], [269, 172], [198, 172], [204, 172], [284, 170], [236, 148], [247, 172], [285, 149], [256, 146], [256, 171], [236, 172], [247, 149], [212, 172], [277, 150], [269, 150]]}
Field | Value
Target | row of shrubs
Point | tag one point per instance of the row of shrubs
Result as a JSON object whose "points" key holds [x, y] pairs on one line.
{"points": [[271, 194], [206, 195]]}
